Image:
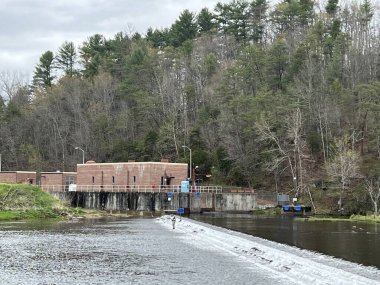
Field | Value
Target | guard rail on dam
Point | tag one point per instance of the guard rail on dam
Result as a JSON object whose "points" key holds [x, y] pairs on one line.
{"points": [[129, 188], [150, 198]]}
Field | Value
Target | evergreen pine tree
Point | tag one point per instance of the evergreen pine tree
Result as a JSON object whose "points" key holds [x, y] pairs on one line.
{"points": [[43, 76], [66, 58]]}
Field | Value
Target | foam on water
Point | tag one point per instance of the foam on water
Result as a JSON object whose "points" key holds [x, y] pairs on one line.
{"points": [[284, 262]]}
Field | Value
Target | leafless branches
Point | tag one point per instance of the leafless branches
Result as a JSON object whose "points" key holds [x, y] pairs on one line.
{"points": [[373, 189], [344, 165]]}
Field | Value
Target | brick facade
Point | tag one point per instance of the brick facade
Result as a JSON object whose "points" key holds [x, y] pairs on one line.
{"points": [[131, 173], [28, 177], [57, 179]]}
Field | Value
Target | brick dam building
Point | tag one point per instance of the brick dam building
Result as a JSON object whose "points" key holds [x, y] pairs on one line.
{"points": [[136, 186], [130, 174], [116, 177]]}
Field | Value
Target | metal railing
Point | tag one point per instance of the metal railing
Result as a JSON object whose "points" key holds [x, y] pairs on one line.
{"points": [[130, 188], [235, 189]]}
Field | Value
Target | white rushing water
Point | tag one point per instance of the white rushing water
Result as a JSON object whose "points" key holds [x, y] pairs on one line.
{"points": [[282, 262]]}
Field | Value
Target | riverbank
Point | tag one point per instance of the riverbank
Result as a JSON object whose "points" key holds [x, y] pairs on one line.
{"points": [[352, 218], [62, 214], [22, 201], [25, 202]]}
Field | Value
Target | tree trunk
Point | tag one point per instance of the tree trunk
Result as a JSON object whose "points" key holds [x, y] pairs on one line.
{"points": [[376, 211]]}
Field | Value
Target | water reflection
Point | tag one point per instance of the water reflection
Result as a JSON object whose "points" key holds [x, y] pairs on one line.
{"points": [[357, 242]]}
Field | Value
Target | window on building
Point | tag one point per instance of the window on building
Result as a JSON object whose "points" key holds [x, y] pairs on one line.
{"points": [[113, 179], [93, 179], [69, 180], [134, 179]]}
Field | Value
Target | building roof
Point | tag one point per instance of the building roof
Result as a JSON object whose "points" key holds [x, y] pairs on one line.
{"points": [[58, 172], [29, 172], [131, 163]]}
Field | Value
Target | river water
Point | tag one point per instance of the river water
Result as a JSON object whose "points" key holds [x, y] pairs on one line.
{"points": [[356, 242], [113, 252], [141, 251]]}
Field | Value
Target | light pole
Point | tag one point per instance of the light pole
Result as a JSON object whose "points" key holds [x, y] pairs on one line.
{"points": [[77, 147], [191, 178]]}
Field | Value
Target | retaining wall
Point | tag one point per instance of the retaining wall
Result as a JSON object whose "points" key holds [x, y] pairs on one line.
{"points": [[134, 201]]}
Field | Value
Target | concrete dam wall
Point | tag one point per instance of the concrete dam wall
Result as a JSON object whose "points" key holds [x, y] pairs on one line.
{"points": [[134, 201]]}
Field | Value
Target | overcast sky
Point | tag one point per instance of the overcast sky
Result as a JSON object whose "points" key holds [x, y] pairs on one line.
{"points": [[30, 27]]}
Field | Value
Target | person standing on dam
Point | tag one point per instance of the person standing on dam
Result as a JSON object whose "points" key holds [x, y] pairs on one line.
{"points": [[173, 222]]}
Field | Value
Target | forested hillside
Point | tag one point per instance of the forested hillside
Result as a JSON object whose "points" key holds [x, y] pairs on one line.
{"points": [[266, 96]]}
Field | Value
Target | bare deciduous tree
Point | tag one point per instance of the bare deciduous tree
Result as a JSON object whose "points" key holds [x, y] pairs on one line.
{"points": [[11, 83], [373, 189], [290, 149], [344, 165]]}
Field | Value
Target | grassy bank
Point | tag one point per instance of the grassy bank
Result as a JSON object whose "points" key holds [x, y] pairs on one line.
{"points": [[21, 201], [353, 218]]}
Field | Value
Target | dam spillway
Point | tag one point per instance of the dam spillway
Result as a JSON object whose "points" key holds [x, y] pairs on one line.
{"points": [[138, 201]]}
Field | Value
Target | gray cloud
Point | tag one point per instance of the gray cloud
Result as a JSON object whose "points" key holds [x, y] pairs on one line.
{"points": [[29, 28]]}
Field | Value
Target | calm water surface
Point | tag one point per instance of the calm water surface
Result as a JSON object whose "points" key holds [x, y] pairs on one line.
{"points": [[357, 242]]}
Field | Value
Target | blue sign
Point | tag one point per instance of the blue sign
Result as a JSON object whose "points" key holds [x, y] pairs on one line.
{"points": [[169, 194], [185, 186], [198, 194], [181, 210]]}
